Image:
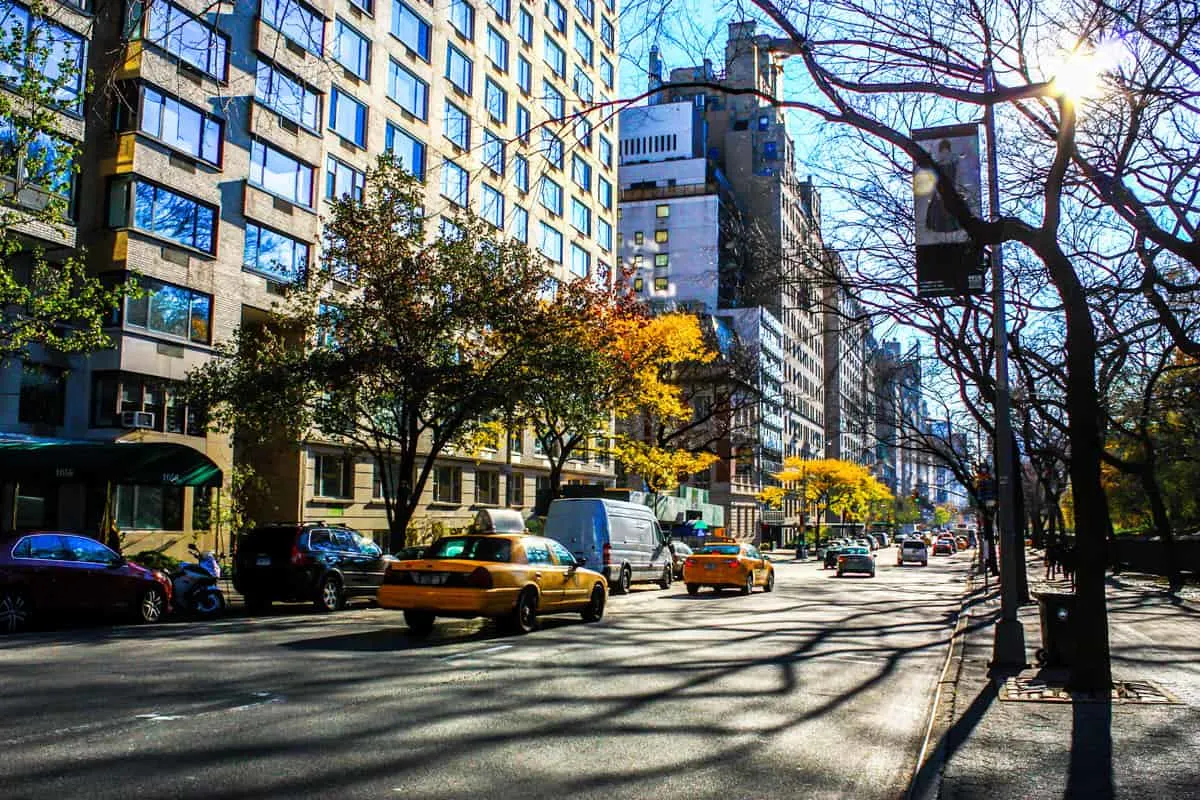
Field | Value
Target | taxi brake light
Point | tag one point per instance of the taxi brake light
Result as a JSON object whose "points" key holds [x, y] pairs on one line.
{"points": [[480, 578], [689, 562], [733, 562]]}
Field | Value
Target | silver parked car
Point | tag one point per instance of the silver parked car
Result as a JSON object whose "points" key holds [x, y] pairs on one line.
{"points": [[856, 559]]}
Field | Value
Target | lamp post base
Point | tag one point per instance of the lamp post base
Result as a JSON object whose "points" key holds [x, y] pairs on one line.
{"points": [[1008, 646]]}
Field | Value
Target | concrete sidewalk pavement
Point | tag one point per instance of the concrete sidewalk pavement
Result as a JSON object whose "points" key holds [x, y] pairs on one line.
{"points": [[997, 738]]}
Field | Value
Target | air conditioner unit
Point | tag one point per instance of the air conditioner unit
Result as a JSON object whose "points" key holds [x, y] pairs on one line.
{"points": [[137, 419]]}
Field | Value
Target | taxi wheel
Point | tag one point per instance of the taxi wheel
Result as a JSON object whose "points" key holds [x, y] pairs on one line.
{"points": [[524, 617], [770, 584], [595, 607], [420, 623], [693, 588], [665, 581], [748, 586]]}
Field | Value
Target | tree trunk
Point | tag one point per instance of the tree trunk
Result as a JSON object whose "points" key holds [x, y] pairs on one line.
{"points": [[1162, 524]]}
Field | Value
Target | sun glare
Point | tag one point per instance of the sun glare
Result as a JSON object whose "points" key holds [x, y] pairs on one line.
{"points": [[1080, 76]]}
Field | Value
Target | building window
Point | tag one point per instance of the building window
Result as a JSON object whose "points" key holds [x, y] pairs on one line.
{"points": [[519, 229], [447, 484], [606, 152], [587, 8], [117, 392], [343, 180], [366, 5], [553, 101], [660, 283], [333, 476], [158, 508], [162, 213], [639, 238], [523, 122], [297, 22], [581, 261], [288, 96], [661, 260], [607, 34], [459, 69], [555, 57], [187, 38], [487, 487], [43, 53], [582, 85], [455, 183], [493, 152], [583, 45], [606, 72], [352, 50], [181, 126], [662, 211], [524, 75], [410, 28], [410, 92], [552, 149], [639, 284], [605, 193], [581, 173], [583, 131], [43, 399], [274, 254], [557, 14], [551, 243], [501, 8], [280, 174], [552, 196], [525, 26], [170, 311], [516, 489], [409, 151], [516, 442], [462, 18], [37, 159], [581, 217], [662, 236], [495, 99], [491, 207], [497, 48], [456, 126], [347, 117], [604, 233], [521, 173]]}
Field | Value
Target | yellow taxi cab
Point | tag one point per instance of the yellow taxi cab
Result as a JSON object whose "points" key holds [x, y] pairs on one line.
{"points": [[511, 577], [722, 563]]}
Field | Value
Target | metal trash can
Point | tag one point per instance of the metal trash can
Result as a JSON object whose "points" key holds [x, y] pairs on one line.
{"points": [[1058, 630]]}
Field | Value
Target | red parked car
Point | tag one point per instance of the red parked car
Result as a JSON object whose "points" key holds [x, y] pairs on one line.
{"points": [[47, 573]]}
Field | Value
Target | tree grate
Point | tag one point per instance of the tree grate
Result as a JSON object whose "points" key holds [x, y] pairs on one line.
{"points": [[1033, 689]]}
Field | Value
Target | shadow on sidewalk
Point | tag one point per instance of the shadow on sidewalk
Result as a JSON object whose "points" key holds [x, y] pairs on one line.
{"points": [[926, 778], [1091, 771]]}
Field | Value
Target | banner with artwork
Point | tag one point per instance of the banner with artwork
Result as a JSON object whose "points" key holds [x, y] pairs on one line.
{"points": [[948, 262]]}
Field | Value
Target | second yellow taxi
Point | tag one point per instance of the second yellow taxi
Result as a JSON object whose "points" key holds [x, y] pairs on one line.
{"points": [[510, 577], [728, 563]]}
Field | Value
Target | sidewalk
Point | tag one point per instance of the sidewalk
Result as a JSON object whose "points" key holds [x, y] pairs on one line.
{"points": [[1007, 739]]}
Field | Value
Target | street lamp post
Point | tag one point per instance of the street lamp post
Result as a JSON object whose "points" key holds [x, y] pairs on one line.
{"points": [[1008, 646]]}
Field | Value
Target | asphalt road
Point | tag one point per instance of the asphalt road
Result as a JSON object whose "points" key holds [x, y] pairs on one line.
{"points": [[820, 689]]}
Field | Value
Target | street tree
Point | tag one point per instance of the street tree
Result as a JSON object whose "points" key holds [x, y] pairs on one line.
{"points": [[829, 486], [404, 344]]}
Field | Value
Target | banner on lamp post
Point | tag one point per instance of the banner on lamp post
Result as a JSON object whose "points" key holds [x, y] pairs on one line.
{"points": [[948, 262]]}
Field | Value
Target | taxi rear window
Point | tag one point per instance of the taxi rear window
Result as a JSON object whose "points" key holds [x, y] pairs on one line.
{"points": [[472, 548], [718, 550]]}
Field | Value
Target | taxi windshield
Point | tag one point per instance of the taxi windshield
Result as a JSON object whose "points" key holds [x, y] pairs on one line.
{"points": [[472, 548], [718, 550]]}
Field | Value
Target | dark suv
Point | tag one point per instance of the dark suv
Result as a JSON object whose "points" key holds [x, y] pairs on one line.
{"points": [[325, 564]]}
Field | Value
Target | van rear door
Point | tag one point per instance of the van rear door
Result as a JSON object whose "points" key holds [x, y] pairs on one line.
{"points": [[579, 525]]}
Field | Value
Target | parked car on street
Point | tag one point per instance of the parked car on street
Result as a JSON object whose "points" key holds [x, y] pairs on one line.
{"points": [[912, 551], [856, 559], [48, 573], [679, 553], [728, 564], [832, 552], [510, 577], [312, 562], [945, 546]]}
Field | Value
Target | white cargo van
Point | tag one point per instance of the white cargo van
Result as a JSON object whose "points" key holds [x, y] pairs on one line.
{"points": [[621, 540]]}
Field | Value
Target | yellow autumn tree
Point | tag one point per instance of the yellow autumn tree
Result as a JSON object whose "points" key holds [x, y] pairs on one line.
{"points": [[828, 486]]}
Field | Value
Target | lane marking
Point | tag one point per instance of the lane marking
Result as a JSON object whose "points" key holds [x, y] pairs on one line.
{"points": [[470, 653]]}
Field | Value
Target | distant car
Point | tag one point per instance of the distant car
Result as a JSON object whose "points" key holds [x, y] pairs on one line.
{"points": [[679, 553], [728, 564], [510, 577], [961, 541], [47, 573], [832, 552], [912, 551], [944, 546], [313, 562], [856, 559], [865, 541]]}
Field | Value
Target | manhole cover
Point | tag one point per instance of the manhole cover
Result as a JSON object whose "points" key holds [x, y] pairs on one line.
{"points": [[1037, 690]]}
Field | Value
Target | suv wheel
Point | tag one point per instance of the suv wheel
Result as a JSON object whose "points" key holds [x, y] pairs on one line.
{"points": [[329, 594]]}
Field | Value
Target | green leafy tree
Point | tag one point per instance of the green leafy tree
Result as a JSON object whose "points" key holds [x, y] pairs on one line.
{"points": [[437, 337], [55, 304]]}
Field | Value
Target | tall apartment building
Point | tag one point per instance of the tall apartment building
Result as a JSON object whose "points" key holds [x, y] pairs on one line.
{"points": [[849, 385], [779, 247], [217, 135]]}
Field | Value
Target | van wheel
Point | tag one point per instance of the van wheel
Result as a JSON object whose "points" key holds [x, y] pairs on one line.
{"points": [[693, 588], [665, 581], [595, 606], [623, 581]]}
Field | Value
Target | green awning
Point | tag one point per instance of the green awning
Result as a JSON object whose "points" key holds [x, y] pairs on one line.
{"points": [[149, 463]]}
